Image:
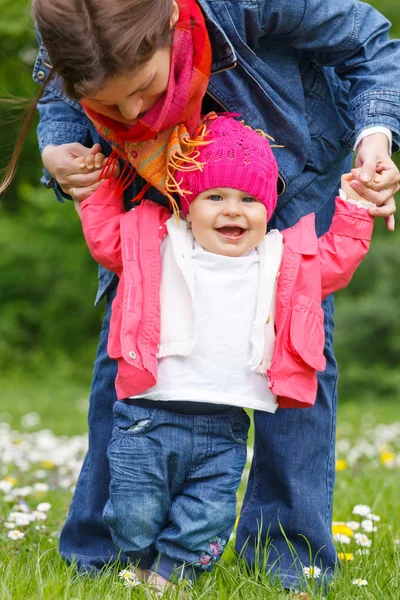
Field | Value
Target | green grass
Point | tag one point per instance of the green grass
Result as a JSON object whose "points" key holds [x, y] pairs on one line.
{"points": [[31, 569]]}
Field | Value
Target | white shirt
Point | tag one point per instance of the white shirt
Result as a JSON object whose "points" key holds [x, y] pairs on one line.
{"points": [[231, 302]]}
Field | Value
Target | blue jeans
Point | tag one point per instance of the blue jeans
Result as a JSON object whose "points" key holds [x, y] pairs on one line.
{"points": [[291, 479], [174, 479], [85, 538], [291, 482], [292, 475]]}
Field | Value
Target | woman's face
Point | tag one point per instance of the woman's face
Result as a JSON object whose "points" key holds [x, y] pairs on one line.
{"points": [[127, 96]]}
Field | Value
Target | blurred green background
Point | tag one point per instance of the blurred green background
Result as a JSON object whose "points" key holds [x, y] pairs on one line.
{"points": [[48, 326]]}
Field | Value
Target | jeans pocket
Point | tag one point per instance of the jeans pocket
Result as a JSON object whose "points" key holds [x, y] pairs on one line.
{"points": [[238, 428], [133, 420]]}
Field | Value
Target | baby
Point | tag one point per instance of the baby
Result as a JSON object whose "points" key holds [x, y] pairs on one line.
{"points": [[211, 316]]}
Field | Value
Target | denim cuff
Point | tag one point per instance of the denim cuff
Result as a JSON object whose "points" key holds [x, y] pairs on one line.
{"points": [[59, 133], [108, 282], [172, 569], [50, 183], [379, 107], [56, 135], [145, 561]]}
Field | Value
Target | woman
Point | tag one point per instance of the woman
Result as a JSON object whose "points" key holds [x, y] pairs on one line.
{"points": [[317, 75]]}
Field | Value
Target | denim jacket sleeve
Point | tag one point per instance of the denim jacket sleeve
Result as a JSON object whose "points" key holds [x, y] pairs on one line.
{"points": [[352, 37], [62, 121]]}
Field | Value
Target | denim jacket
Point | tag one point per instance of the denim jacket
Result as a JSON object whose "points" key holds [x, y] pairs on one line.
{"points": [[312, 73]]}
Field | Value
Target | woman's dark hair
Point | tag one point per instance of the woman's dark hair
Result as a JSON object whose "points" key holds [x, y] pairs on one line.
{"points": [[91, 41]]}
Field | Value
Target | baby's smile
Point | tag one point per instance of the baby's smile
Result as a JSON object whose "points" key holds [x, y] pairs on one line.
{"points": [[231, 232]]}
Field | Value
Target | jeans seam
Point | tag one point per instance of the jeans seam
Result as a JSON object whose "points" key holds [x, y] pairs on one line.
{"points": [[105, 325], [255, 487], [189, 463], [333, 420]]}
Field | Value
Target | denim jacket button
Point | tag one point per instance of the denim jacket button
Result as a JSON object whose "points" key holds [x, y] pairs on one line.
{"points": [[41, 75], [132, 355]]}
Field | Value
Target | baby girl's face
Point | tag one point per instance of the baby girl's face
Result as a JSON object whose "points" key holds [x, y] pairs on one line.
{"points": [[228, 222]]}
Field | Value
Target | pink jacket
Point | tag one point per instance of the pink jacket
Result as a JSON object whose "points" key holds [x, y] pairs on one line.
{"points": [[128, 244]]}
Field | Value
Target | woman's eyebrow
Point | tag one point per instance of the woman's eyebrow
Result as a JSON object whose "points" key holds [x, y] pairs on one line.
{"points": [[131, 93], [143, 86]]}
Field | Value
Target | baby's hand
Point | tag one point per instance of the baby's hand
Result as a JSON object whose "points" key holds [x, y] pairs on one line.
{"points": [[91, 161], [97, 164], [352, 194], [346, 187]]}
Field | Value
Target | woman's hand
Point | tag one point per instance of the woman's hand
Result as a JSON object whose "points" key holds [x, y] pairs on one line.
{"points": [[76, 168], [377, 178]]}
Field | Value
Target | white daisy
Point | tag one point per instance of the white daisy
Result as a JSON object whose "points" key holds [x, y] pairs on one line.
{"points": [[373, 517], [361, 509], [341, 538], [22, 516], [30, 420], [354, 525], [40, 474], [43, 487], [362, 540], [368, 526], [6, 486], [126, 574], [43, 506], [312, 572], [131, 582], [362, 552], [15, 534], [360, 582], [8, 525], [39, 515], [22, 522], [24, 491], [129, 577]]}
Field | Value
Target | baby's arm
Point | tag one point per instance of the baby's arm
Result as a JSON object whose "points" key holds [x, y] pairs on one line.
{"points": [[101, 215], [344, 246]]}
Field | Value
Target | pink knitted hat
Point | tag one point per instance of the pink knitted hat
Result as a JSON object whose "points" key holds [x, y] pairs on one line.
{"points": [[238, 158]]}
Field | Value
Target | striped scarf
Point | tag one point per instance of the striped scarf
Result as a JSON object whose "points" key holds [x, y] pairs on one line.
{"points": [[168, 133]]}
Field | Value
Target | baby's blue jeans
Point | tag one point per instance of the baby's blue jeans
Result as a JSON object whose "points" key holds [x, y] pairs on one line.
{"points": [[174, 478]]}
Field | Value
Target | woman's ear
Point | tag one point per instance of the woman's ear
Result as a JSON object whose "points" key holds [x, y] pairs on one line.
{"points": [[175, 14]]}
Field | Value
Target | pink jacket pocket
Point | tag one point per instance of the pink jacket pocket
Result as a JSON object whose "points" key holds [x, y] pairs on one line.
{"points": [[307, 335], [114, 338]]}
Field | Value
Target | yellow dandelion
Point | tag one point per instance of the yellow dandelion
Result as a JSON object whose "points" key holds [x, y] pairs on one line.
{"points": [[346, 556], [342, 529], [341, 464], [48, 464], [387, 457]]}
